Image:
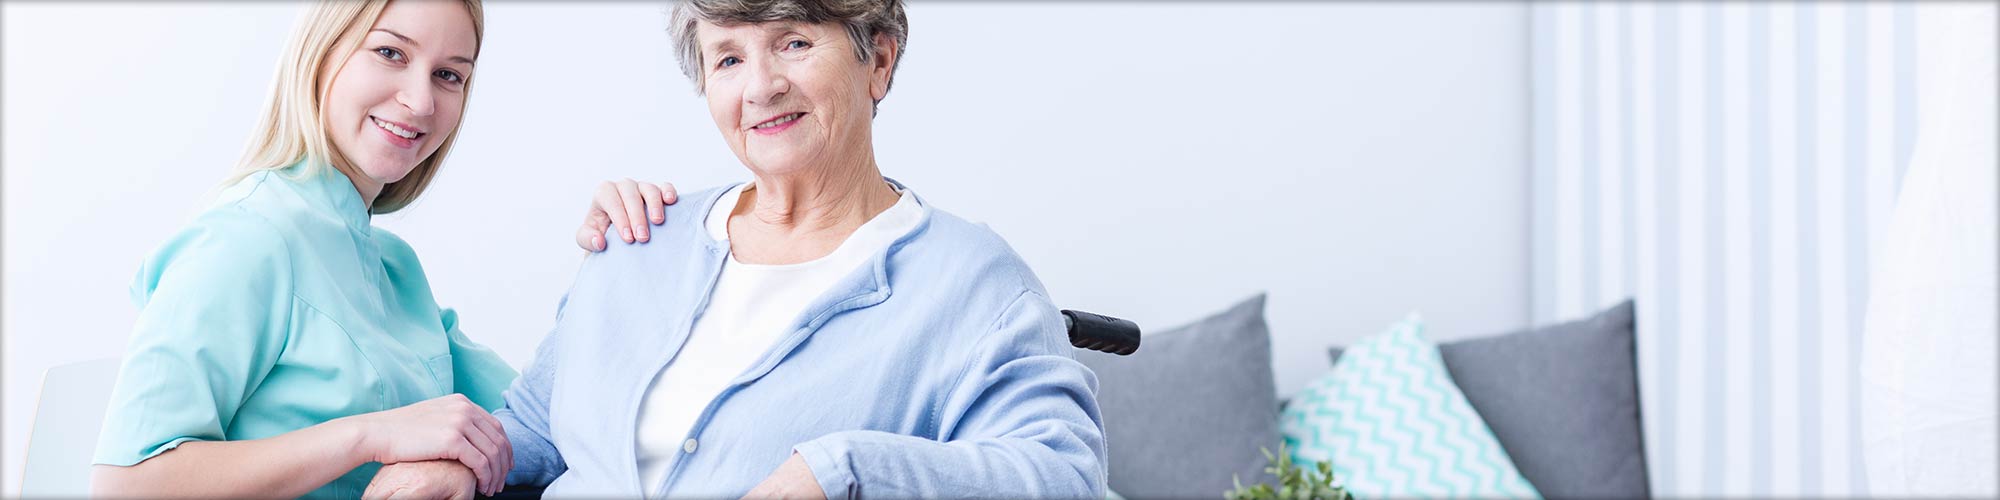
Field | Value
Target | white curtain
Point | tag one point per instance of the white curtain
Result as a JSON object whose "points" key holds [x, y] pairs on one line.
{"points": [[1735, 166], [1928, 367]]}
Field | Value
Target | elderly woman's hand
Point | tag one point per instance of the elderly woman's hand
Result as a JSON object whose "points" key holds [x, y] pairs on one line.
{"points": [[431, 479], [792, 480], [624, 204]]}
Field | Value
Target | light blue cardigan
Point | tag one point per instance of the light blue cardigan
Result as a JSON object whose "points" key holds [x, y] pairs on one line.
{"points": [[938, 369]]}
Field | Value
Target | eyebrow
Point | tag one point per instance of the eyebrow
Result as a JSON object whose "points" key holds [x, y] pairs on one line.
{"points": [[413, 43], [770, 27], [722, 45]]}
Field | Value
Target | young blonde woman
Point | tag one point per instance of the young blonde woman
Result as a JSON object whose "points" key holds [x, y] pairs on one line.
{"points": [[285, 347]]}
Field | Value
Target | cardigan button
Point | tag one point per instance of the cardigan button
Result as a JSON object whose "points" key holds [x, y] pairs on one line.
{"points": [[689, 446]]}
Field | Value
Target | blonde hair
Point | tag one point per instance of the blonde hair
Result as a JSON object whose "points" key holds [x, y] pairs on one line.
{"points": [[293, 125]]}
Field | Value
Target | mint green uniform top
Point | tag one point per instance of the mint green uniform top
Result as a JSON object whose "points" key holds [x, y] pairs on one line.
{"points": [[280, 307]]}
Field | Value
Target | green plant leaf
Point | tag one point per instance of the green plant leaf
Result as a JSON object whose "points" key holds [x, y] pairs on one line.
{"points": [[1313, 482]]}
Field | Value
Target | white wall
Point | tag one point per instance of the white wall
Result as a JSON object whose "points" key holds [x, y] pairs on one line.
{"points": [[1156, 162]]}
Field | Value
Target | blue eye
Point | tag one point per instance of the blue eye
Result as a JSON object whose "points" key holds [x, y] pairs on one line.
{"points": [[797, 44], [389, 53], [450, 76], [728, 61]]}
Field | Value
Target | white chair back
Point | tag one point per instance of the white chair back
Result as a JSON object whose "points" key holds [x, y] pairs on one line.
{"points": [[64, 433]]}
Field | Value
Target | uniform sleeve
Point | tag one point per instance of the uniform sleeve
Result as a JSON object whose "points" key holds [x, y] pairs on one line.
{"points": [[477, 372], [216, 305], [1021, 422]]}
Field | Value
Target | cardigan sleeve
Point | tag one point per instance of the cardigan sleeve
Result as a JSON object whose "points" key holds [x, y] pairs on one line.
{"points": [[1021, 422]]}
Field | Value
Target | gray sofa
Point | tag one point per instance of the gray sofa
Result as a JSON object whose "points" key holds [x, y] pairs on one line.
{"points": [[1190, 411]]}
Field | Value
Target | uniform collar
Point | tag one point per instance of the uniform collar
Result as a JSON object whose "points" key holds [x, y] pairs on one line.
{"points": [[329, 188]]}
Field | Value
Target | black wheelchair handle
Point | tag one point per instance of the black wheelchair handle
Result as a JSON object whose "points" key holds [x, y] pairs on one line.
{"points": [[1101, 333]]}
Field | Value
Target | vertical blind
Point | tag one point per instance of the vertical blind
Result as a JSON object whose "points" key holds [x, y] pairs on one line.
{"points": [[1729, 165]]}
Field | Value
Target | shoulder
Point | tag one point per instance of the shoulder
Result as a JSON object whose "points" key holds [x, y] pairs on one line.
{"points": [[394, 248], [697, 204], [216, 252], [682, 233], [266, 206], [975, 251], [683, 226], [952, 264], [400, 261], [229, 231], [264, 191], [252, 223], [962, 266], [271, 208]]}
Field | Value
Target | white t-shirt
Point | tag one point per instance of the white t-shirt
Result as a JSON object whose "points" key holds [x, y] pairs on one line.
{"points": [[751, 307]]}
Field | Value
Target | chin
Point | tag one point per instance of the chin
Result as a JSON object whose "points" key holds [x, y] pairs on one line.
{"points": [[778, 162], [385, 171], [773, 167]]}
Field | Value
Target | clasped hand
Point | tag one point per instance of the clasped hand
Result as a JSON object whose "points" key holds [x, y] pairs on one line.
{"points": [[443, 479]]}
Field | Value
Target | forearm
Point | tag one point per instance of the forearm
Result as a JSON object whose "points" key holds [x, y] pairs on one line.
{"points": [[1053, 463], [536, 460], [525, 418], [283, 466], [1022, 422]]}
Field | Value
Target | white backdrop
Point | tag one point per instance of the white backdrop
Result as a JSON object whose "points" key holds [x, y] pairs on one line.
{"points": [[1156, 162]]}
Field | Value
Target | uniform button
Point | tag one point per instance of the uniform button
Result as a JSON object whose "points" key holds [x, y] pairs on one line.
{"points": [[689, 446]]}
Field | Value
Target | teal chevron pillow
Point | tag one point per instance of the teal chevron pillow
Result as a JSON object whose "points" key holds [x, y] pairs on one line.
{"points": [[1394, 425]]}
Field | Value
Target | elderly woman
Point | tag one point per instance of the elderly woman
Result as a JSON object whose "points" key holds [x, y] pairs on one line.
{"points": [[820, 331]]}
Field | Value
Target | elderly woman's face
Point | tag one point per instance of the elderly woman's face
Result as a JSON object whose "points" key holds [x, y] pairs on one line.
{"points": [[789, 96]]}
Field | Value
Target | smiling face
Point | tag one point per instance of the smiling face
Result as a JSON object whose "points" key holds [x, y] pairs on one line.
{"points": [[394, 101], [789, 96]]}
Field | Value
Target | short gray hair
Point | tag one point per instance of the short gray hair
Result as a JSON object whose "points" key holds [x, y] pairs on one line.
{"points": [[863, 19]]}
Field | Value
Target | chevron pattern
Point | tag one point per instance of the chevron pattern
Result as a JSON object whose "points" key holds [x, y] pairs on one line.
{"points": [[1394, 425]]}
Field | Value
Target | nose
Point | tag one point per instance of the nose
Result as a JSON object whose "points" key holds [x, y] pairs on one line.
{"points": [[418, 96], [768, 82]]}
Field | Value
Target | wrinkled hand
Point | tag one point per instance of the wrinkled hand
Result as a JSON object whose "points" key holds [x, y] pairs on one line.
{"points": [[792, 480], [624, 204], [430, 479], [448, 427]]}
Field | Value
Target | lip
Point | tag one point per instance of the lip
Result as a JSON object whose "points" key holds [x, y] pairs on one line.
{"points": [[397, 140], [776, 129]]}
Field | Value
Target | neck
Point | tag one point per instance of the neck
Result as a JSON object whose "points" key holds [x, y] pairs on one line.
{"points": [[834, 199], [803, 216], [368, 188], [368, 192]]}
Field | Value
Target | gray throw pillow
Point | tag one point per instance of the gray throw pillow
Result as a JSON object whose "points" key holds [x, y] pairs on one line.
{"points": [[1563, 400], [1189, 411]]}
